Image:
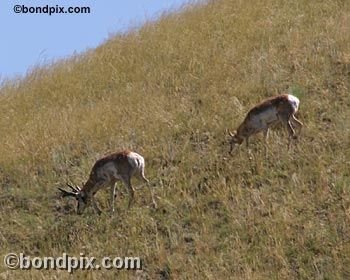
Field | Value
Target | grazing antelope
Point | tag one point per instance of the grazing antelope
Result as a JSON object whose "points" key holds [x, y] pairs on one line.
{"points": [[106, 172], [280, 108]]}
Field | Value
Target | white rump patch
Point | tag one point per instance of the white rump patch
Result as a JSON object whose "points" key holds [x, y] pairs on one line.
{"points": [[294, 101], [136, 161]]}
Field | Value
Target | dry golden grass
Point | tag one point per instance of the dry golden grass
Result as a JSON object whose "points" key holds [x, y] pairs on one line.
{"points": [[168, 91]]}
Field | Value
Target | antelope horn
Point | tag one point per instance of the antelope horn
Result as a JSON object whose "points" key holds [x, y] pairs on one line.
{"points": [[229, 133], [65, 193], [74, 189]]}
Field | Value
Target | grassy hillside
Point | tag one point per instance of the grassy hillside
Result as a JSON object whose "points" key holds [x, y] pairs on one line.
{"points": [[168, 91]]}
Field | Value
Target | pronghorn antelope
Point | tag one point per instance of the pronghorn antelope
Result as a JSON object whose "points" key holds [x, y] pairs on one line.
{"points": [[106, 172], [280, 108]]}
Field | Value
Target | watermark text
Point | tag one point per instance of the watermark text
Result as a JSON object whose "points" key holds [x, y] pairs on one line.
{"points": [[70, 263], [50, 9]]}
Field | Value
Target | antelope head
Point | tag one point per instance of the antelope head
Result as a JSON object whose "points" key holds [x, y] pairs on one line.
{"points": [[235, 140], [78, 194]]}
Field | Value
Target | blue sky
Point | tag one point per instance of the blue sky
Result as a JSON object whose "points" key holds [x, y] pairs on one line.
{"points": [[32, 39]]}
